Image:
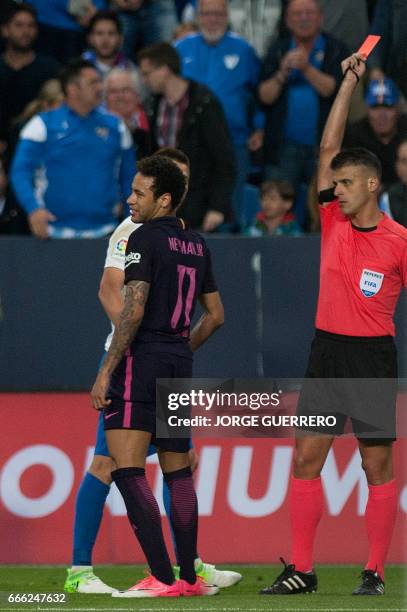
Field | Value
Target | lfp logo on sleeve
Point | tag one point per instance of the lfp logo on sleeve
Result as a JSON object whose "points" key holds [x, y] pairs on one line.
{"points": [[120, 247], [370, 282]]}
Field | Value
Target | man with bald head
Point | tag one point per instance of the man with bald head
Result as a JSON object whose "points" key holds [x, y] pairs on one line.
{"points": [[228, 65], [298, 81]]}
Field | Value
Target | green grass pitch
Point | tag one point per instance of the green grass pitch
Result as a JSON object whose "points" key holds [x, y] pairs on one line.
{"points": [[335, 586]]}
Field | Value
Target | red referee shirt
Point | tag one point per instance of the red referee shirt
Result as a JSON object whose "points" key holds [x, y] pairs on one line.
{"points": [[361, 274]]}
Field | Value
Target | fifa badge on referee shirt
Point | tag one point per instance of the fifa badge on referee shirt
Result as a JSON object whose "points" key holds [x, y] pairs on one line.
{"points": [[370, 282]]}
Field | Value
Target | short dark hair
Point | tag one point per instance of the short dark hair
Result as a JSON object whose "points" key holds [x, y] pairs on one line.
{"points": [[168, 178], [284, 189], [357, 156], [161, 54], [105, 16], [175, 154], [72, 71], [16, 8]]}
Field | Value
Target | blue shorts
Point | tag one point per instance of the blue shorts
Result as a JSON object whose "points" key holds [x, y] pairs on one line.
{"points": [[101, 444]]}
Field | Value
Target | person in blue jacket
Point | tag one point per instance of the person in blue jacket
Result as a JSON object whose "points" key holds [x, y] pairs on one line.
{"points": [[74, 165], [229, 66]]}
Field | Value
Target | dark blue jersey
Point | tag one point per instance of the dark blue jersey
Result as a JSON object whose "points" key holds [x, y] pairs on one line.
{"points": [[177, 264]]}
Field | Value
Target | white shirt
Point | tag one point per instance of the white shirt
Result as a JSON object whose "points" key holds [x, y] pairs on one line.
{"points": [[116, 252]]}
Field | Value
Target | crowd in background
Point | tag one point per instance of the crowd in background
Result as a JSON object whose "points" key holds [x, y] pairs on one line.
{"points": [[243, 87]]}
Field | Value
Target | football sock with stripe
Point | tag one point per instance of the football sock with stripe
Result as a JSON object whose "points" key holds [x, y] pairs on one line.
{"points": [[145, 519], [90, 502], [167, 506], [380, 517], [184, 519], [306, 507]]}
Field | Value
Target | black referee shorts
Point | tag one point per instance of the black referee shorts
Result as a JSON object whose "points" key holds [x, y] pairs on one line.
{"points": [[352, 377]]}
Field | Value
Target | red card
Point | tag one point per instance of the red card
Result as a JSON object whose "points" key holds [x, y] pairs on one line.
{"points": [[369, 44]]}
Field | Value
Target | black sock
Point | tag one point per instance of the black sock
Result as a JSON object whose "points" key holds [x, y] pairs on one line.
{"points": [[184, 520], [144, 517]]}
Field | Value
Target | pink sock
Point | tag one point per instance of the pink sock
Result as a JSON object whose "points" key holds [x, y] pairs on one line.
{"points": [[306, 506], [380, 517]]}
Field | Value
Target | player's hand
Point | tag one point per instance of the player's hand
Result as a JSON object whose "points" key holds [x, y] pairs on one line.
{"points": [[211, 220], [297, 59], [38, 221], [99, 391], [255, 141], [356, 63], [193, 459]]}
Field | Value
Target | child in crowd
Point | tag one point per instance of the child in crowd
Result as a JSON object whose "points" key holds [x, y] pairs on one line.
{"points": [[275, 217]]}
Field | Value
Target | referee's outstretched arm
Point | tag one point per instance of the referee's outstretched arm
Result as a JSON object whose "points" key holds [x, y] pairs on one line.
{"points": [[353, 68]]}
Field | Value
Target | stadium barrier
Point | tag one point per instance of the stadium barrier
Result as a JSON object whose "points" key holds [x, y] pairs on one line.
{"points": [[52, 328]]}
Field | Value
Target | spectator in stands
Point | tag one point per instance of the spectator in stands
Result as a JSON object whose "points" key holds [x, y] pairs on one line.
{"points": [[380, 130], [229, 66], [299, 79], [22, 71], [105, 41], [145, 22], [62, 25], [275, 217], [257, 21], [394, 201], [389, 58], [186, 115], [122, 99], [13, 218], [75, 164]]}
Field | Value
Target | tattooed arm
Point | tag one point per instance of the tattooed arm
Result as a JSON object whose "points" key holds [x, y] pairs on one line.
{"points": [[130, 321]]}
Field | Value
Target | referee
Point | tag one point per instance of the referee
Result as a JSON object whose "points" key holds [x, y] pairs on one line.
{"points": [[363, 268]]}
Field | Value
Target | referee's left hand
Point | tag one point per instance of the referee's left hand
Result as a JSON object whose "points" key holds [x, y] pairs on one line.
{"points": [[99, 391]]}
